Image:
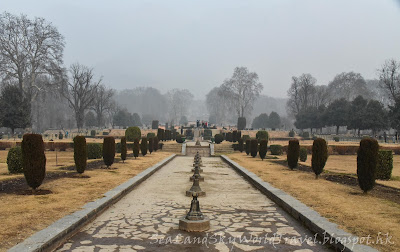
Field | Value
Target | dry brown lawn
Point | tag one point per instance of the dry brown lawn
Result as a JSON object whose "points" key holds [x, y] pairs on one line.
{"points": [[23, 215], [353, 211], [348, 164]]}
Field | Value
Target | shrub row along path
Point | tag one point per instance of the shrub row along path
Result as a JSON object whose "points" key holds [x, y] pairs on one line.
{"points": [[147, 218]]}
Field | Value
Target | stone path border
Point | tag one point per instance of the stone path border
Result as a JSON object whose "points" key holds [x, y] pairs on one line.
{"points": [[326, 230], [54, 235]]}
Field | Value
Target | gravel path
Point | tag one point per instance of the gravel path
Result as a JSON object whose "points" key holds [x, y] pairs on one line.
{"points": [[242, 219]]}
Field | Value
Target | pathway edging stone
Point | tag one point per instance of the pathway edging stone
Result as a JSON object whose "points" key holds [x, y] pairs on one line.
{"points": [[308, 217], [55, 234]]}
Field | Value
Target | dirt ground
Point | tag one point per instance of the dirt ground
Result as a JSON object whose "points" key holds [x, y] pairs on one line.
{"points": [[23, 214], [352, 210]]}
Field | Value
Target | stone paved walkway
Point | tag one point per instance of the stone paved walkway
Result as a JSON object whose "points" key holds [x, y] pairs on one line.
{"points": [[242, 219]]}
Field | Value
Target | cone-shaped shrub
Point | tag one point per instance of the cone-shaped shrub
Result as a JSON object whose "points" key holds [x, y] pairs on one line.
{"points": [[33, 159], [155, 143], [248, 146], [303, 154], [263, 148], [124, 149], [143, 146], [367, 156], [136, 148], [151, 143], [108, 150], [319, 156], [218, 138], [80, 153], [14, 160], [254, 147], [234, 136], [385, 164], [240, 147], [293, 153]]}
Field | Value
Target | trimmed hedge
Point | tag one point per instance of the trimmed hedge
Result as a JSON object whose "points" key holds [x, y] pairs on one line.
{"points": [[33, 159], [94, 150], [136, 148], [108, 150], [248, 141], [92, 133], [143, 146], [291, 133], [293, 153], [254, 147], [234, 136], [367, 157], [385, 165], [124, 149], [218, 138], [14, 160], [276, 149], [303, 154], [132, 133], [154, 124], [80, 154], [319, 156], [207, 134], [151, 135], [263, 148]]}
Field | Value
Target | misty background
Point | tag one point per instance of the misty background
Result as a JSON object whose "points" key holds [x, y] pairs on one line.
{"points": [[143, 50]]}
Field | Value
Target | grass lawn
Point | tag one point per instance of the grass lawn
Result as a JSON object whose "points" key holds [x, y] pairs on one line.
{"points": [[23, 215], [347, 206]]}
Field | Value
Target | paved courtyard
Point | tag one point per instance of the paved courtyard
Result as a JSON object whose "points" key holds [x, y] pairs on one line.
{"points": [[242, 219]]}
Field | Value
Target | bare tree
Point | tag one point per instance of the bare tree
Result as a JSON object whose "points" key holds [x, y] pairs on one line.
{"points": [[80, 91], [241, 90], [389, 75], [348, 86], [29, 49], [102, 103], [178, 103], [217, 105], [301, 94]]}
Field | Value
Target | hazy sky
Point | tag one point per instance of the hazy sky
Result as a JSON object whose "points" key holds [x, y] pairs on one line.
{"points": [[197, 44]]}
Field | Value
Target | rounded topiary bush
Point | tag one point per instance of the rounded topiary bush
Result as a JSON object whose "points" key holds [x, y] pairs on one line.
{"points": [[319, 156], [303, 154], [291, 133], [241, 145], [276, 149], [151, 143], [108, 151], [80, 153], [385, 164], [33, 159], [124, 149], [367, 157], [293, 153], [254, 147], [218, 138], [262, 134], [143, 146], [179, 138], [94, 150], [14, 160], [263, 149], [132, 133], [248, 141], [136, 148]]}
